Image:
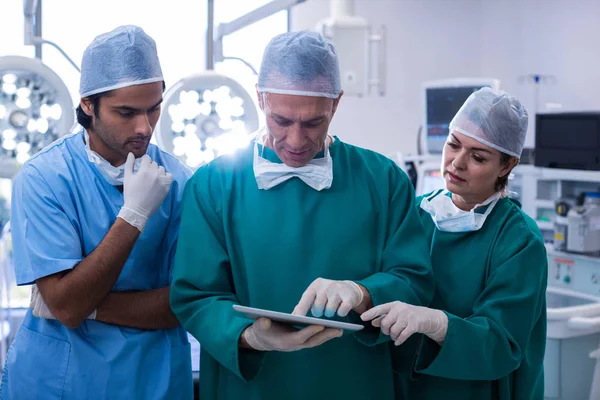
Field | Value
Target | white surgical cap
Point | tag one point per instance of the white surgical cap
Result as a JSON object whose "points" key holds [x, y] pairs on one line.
{"points": [[123, 57], [495, 120], [300, 63]]}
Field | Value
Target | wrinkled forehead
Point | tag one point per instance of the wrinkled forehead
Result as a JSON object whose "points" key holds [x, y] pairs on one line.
{"points": [[295, 107]]}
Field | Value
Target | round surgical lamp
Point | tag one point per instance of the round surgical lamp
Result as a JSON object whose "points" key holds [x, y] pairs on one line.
{"points": [[205, 116], [35, 110]]}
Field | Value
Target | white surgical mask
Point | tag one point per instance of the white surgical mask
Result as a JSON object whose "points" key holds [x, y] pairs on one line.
{"points": [[113, 175], [318, 173], [449, 218]]}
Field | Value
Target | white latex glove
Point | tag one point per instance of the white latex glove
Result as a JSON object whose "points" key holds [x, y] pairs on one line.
{"points": [[40, 308], [400, 320], [329, 296], [266, 335], [144, 191]]}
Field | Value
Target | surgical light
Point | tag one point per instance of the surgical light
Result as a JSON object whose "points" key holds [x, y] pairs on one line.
{"points": [[206, 115], [35, 109]]}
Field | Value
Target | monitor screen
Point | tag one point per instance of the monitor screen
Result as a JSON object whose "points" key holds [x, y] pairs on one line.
{"points": [[442, 104], [432, 180]]}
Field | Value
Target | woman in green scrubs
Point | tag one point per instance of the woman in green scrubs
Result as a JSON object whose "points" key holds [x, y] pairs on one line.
{"points": [[484, 334]]}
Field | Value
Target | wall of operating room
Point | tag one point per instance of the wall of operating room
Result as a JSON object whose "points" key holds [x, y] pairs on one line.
{"points": [[426, 40], [439, 39]]}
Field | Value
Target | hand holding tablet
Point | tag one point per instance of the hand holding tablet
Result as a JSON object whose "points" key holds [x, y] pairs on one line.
{"points": [[282, 334]]}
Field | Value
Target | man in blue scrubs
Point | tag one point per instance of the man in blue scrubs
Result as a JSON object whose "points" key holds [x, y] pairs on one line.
{"points": [[95, 224]]}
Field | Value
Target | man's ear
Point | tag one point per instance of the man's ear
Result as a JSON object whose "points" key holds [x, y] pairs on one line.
{"points": [[87, 106], [336, 102], [261, 102]]}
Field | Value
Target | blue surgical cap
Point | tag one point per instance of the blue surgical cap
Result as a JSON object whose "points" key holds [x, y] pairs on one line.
{"points": [[123, 57], [497, 120], [300, 63]]}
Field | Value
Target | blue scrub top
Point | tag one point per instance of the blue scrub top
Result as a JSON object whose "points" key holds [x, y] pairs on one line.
{"points": [[62, 209]]}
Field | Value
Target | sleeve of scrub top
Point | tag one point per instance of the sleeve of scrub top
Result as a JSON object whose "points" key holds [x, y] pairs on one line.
{"points": [[490, 343], [202, 292], [45, 241], [406, 273]]}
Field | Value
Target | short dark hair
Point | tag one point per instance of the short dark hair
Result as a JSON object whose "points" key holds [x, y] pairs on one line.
{"points": [[85, 120], [502, 182]]}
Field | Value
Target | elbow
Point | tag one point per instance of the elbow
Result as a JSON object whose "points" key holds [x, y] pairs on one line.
{"points": [[68, 318], [177, 301], [68, 314], [72, 324]]}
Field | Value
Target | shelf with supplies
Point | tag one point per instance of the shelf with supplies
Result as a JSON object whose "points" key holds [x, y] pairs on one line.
{"points": [[539, 189]]}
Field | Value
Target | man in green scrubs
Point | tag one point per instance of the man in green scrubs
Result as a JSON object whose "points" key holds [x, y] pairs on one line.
{"points": [[484, 336], [298, 221]]}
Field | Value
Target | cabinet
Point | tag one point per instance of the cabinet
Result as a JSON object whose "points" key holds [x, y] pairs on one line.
{"points": [[538, 189]]}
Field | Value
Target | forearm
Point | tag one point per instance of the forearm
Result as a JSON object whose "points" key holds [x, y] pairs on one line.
{"points": [[482, 336], [74, 295], [386, 287], [147, 309]]}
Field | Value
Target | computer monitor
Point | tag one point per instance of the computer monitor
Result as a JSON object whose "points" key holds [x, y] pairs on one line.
{"points": [[441, 101], [429, 177]]}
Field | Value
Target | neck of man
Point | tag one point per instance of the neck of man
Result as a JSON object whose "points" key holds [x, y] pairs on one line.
{"points": [[97, 145]]}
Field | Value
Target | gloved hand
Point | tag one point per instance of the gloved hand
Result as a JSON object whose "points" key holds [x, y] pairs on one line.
{"points": [[330, 296], [401, 320], [266, 335], [144, 191], [40, 308]]}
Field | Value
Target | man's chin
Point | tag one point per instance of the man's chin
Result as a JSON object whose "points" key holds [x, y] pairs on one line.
{"points": [[295, 160], [137, 151], [295, 163]]}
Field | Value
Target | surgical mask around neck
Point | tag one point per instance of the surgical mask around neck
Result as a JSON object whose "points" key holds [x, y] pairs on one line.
{"points": [[448, 217], [317, 173], [113, 175]]}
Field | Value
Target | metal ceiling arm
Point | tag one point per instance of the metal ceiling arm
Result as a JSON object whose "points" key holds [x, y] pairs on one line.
{"points": [[32, 35], [250, 18]]}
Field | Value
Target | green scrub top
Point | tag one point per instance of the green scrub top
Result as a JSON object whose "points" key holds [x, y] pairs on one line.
{"points": [[492, 285], [263, 248]]}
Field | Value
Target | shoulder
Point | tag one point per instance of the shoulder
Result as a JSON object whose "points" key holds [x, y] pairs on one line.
{"points": [[359, 155], [513, 218], [225, 167], [52, 161], [55, 152], [516, 231], [171, 164], [370, 164]]}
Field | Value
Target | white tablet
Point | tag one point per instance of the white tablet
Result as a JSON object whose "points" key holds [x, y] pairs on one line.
{"points": [[256, 313]]}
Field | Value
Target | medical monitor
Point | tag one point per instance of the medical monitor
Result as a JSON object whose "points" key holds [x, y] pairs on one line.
{"points": [[441, 101], [429, 177]]}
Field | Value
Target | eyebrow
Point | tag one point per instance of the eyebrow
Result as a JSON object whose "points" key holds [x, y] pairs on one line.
{"points": [[287, 119], [136, 110], [472, 148]]}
